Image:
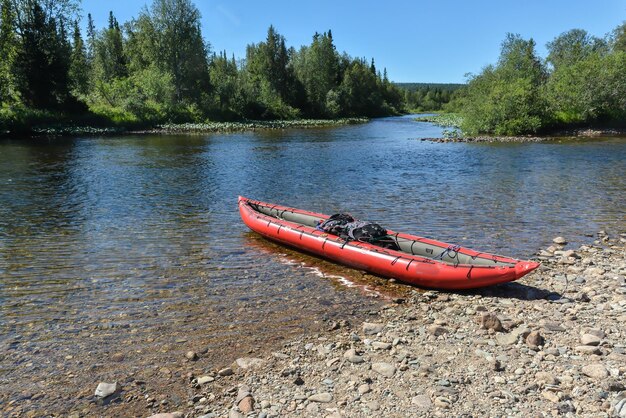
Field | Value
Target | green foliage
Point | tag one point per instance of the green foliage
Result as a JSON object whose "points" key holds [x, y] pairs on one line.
{"points": [[427, 97], [8, 51], [79, 65], [109, 60], [507, 99], [42, 49], [317, 68], [269, 79], [447, 120], [586, 85], [619, 38], [571, 47], [179, 48]]}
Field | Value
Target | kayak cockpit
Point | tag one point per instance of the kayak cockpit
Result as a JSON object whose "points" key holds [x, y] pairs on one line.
{"points": [[408, 244]]}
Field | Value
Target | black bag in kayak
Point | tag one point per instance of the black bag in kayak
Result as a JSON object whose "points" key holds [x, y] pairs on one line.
{"points": [[364, 231], [336, 224]]}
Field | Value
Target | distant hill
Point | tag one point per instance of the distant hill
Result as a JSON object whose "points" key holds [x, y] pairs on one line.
{"points": [[431, 86]]}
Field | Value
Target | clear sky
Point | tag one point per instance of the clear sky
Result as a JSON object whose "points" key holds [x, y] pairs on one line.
{"points": [[420, 41]]}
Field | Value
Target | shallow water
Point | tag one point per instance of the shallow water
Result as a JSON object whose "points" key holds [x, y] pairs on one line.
{"points": [[135, 242]]}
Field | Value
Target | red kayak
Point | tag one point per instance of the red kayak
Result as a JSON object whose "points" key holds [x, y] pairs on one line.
{"points": [[416, 260]]}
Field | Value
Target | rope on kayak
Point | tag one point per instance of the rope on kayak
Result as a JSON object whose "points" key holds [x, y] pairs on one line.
{"points": [[469, 272], [412, 244], [451, 249], [278, 231], [448, 251], [395, 260], [407, 266]]}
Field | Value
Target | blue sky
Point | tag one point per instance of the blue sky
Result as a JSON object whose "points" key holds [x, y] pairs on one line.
{"points": [[421, 41]]}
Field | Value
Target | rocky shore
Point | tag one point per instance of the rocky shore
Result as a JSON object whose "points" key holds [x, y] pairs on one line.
{"points": [[568, 134], [552, 344]]}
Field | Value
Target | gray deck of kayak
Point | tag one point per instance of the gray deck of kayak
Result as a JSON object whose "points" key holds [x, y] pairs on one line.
{"points": [[406, 245]]}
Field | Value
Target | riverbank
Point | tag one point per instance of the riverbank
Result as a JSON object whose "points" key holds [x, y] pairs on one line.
{"points": [[552, 343], [55, 130], [568, 134], [452, 132]]}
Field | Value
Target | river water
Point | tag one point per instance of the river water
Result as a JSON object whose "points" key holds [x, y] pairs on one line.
{"points": [[134, 244]]}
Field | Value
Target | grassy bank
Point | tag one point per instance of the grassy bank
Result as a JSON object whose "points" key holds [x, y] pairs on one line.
{"points": [[23, 122], [253, 125]]}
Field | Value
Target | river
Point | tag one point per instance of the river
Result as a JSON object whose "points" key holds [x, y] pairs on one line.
{"points": [[133, 244]]}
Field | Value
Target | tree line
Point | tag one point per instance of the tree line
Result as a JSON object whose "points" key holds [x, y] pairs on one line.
{"points": [[427, 97], [582, 81], [157, 67]]}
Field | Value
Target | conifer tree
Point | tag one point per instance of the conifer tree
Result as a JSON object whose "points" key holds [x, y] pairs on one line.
{"points": [[7, 51], [79, 67]]}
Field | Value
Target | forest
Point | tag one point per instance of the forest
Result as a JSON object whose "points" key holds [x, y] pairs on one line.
{"points": [[158, 68], [581, 82]]}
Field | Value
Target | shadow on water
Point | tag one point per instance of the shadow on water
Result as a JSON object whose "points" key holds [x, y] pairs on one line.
{"points": [[340, 277]]}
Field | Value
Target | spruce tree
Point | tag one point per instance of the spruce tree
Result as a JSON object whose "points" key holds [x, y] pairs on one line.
{"points": [[7, 50], [79, 68]]}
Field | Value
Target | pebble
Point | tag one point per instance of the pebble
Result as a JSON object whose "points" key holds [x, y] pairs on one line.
{"points": [[436, 330], [246, 404], [246, 363], [205, 379], [559, 240], [118, 357], [590, 339], [364, 388], [491, 321], [105, 390], [620, 409], [370, 328], [323, 397], [191, 355], [546, 378], [587, 349], [225, 372], [385, 369], [352, 357], [534, 339], [381, 345], [595, 371], [176, 414], [551, 396], [422, 402], [442, 402]]}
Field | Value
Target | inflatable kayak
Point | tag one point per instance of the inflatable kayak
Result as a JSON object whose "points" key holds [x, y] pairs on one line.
{"points": [[411, 259]]}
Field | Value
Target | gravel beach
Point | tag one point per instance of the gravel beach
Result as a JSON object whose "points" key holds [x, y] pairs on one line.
{"points": [[551, 344]]}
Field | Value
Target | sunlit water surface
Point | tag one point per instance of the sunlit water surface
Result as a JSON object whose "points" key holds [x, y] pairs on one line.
{"points": [[136, 240]]}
